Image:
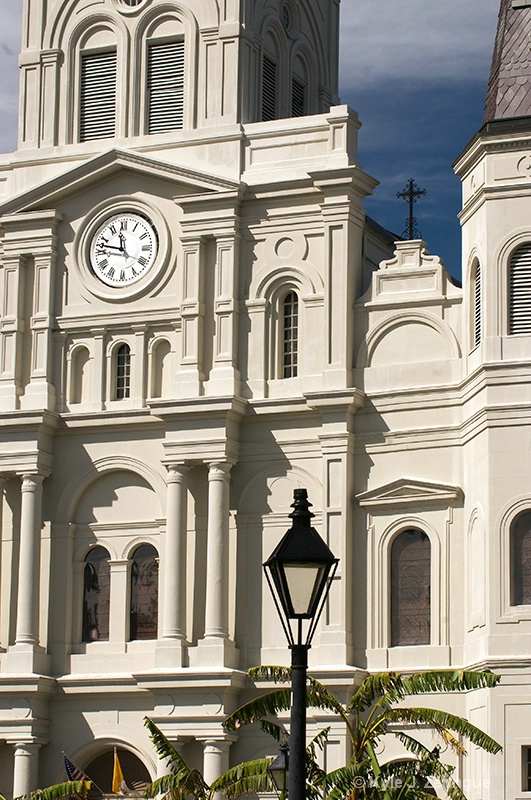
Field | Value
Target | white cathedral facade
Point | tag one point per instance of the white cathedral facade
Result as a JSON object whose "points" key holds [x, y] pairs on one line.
{"points": [[197, 317]]}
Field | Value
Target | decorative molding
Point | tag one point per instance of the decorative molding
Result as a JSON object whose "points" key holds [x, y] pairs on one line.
{"points": [[408, 491]]}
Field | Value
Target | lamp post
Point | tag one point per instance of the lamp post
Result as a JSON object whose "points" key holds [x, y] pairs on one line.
{"points": [[299, 572], [279, 771]]}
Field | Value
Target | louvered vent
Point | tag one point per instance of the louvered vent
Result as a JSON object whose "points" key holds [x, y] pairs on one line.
{"points": [[477, 305], [520, 291], [298, 98], [269, 89], [98, 96], [165, 87]]}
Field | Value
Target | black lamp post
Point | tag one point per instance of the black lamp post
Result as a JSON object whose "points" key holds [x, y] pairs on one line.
{"points": [[299, 572]]}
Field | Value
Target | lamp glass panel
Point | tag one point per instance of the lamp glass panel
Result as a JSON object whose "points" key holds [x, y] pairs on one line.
{"points": [[302, 580]]}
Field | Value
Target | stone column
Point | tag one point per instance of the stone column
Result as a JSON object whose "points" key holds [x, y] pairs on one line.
{"points": [[28, 568], [215, 758], [174, 579], [25, 770], [216, 612]]}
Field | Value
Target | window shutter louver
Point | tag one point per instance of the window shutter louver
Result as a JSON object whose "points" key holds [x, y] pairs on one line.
{"points": [[477, 306], [98, 96], [298, 98], [269, 89], [520, 291], [165, 87]]}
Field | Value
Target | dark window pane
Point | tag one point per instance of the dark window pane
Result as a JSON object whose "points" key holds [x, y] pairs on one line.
{"points": [[96, 594], [521, 559], [269, 89], [410, 589], [123, 372], [144, 593], [298, 98], [290, 335]]}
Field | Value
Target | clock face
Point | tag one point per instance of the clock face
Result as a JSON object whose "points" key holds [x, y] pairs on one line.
{"points": [[123, 249]]}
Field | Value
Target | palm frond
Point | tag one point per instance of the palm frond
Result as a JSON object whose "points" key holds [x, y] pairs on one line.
{"points": [[372, 688], [445, 720], [60, 790], [270, 673], [167, 786], [266, 705], [165, 749], [274, 729], [443, 681], [246, 778], [348, 781]]}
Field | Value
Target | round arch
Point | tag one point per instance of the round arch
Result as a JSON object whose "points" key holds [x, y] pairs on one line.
{"points": [[80, 482]]}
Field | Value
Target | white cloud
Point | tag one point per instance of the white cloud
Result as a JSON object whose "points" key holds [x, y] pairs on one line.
{"points": [[406, 40], [416, 40]]}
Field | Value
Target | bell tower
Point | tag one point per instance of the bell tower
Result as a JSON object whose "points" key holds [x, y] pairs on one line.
{"points": [[126, 70]]}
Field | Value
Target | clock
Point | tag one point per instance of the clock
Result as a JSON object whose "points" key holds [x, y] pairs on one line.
{"points": [[123, 249]]}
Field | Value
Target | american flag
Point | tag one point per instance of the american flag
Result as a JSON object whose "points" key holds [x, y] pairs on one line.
{"points": [[73, 772]]}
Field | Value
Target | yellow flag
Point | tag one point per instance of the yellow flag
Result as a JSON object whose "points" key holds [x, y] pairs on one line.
{"points": [[117, 775]]}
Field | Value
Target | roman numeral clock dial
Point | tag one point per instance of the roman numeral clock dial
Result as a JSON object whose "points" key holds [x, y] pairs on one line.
{"points": [[123, 249]]}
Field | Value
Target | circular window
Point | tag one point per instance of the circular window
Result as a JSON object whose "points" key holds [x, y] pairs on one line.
{"points": [[129, 6], [287, 18]]}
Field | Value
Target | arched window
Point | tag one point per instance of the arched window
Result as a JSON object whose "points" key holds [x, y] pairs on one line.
{"points": [[123, 372], [290, 335], [96, 596], [165, 86], [101, 771], [79, 380], [520, 290], [161, 372], [521, 559], [144, 593], [269, 88], [97, 107], [299, 83], [477, 300], [410, 588]]}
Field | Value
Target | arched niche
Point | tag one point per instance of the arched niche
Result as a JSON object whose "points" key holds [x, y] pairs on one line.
{"points": [[115, 497]]}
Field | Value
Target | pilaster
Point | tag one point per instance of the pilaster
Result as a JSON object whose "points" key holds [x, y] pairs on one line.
{"points": [[191, 374]]}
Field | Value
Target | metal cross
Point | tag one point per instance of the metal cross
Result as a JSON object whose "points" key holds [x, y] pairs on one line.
{"points": [[410, 193]]}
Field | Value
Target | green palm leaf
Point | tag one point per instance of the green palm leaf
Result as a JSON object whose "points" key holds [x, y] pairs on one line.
{"points": [[165, 749], [59, 790], [270, 673], [246, 778], [274, 729], [266, 705], [444, 720]]}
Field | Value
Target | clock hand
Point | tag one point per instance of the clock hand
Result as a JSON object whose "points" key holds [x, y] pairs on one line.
{"points": [[108, 247]]}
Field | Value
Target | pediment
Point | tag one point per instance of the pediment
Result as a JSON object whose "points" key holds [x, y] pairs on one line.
{"points": [[408, 491], [102, 167]]}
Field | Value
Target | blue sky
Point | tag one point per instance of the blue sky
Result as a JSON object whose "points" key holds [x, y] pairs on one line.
{"points": [[415, 70]]}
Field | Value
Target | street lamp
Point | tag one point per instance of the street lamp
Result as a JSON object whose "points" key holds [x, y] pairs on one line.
{"points": [[279, 771], [299, 572]]}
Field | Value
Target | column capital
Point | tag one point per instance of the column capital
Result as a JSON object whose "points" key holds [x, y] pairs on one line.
{"points": [[178, 472], [219, 470], [31, 482], [29, 748], [217, 743]]}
